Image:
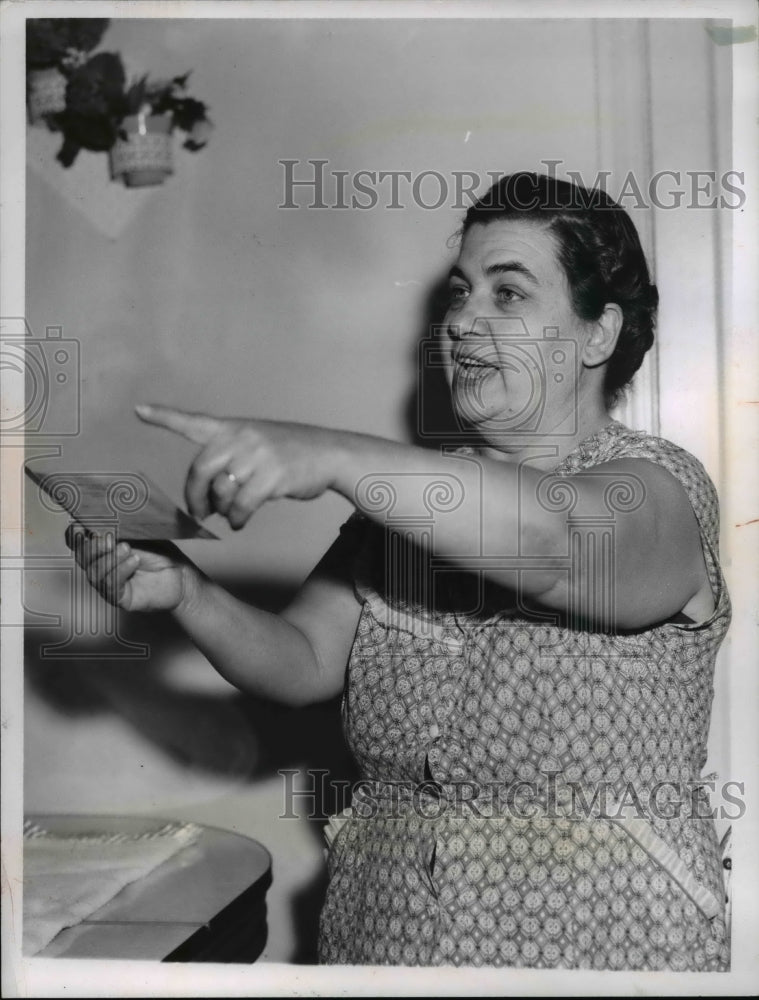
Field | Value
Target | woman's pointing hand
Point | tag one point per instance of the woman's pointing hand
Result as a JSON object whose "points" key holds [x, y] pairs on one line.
{"points": [[242, 463]]}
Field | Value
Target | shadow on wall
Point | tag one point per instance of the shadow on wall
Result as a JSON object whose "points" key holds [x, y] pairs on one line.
{"points": [[226, 733], [430, 421]]}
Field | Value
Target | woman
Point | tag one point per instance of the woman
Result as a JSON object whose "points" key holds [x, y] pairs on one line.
{"points": [[529, 620]]}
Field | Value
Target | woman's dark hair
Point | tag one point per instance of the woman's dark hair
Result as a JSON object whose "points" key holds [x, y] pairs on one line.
{"points": [[599, 250]]}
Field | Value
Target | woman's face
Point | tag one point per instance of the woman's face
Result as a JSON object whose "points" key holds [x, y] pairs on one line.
{"points": [[515, 340]]}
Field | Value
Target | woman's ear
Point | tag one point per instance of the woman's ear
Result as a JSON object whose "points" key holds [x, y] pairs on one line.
{"points": [[602, 336]]}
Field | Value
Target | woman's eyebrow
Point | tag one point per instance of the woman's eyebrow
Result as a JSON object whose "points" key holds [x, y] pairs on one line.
{"points": [[456, 272], [500, 268], [512, 265]]}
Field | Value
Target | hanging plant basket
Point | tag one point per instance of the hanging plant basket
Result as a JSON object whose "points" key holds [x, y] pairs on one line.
{"points": [[142, 155], [46, 94]]}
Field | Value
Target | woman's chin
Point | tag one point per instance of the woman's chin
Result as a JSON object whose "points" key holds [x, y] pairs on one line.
{"points": [[482, 413]]}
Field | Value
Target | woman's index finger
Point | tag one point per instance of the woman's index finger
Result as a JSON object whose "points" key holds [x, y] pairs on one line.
{"points": [[197, 427]]}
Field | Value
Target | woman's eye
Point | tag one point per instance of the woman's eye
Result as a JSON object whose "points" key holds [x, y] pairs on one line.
{"points": [[506, 294], [457, 293]]}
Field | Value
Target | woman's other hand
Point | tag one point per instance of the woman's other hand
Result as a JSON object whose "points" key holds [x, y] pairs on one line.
{"points": [[129, 578], [243, 463]]}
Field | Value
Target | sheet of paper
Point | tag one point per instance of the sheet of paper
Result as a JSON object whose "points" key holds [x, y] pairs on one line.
{"points": [[128, 504]]}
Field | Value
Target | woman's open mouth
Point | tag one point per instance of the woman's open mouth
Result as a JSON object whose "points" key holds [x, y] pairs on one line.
{"points": [[472, 365]]}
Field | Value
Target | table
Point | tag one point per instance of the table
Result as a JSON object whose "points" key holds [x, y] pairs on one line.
{"points": [[205, 904]]}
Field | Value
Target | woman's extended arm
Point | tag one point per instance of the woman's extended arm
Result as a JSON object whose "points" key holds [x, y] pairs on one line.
{"points": [[296, 657], [617, 545]]}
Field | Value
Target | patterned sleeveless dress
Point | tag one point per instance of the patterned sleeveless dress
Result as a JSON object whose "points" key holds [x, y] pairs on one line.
{"points": [[532, 793]]}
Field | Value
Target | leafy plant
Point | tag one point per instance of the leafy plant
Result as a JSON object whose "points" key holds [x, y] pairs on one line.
{"points": [[94, 107], [97, 96], [98, 101], [170, 98], [54, 41]]}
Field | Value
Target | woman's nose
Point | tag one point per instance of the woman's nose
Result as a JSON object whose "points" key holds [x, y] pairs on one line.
{"points": [[468, 325]]}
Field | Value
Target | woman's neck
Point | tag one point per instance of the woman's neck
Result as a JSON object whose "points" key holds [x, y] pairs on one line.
{"points": [[545, 450]]}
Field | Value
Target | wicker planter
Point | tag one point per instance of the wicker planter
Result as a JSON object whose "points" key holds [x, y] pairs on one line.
{"points": [[46, 93], [145, 156]]}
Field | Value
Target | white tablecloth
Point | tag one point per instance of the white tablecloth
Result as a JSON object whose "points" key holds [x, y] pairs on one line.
{"points": [[68, 878]]}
